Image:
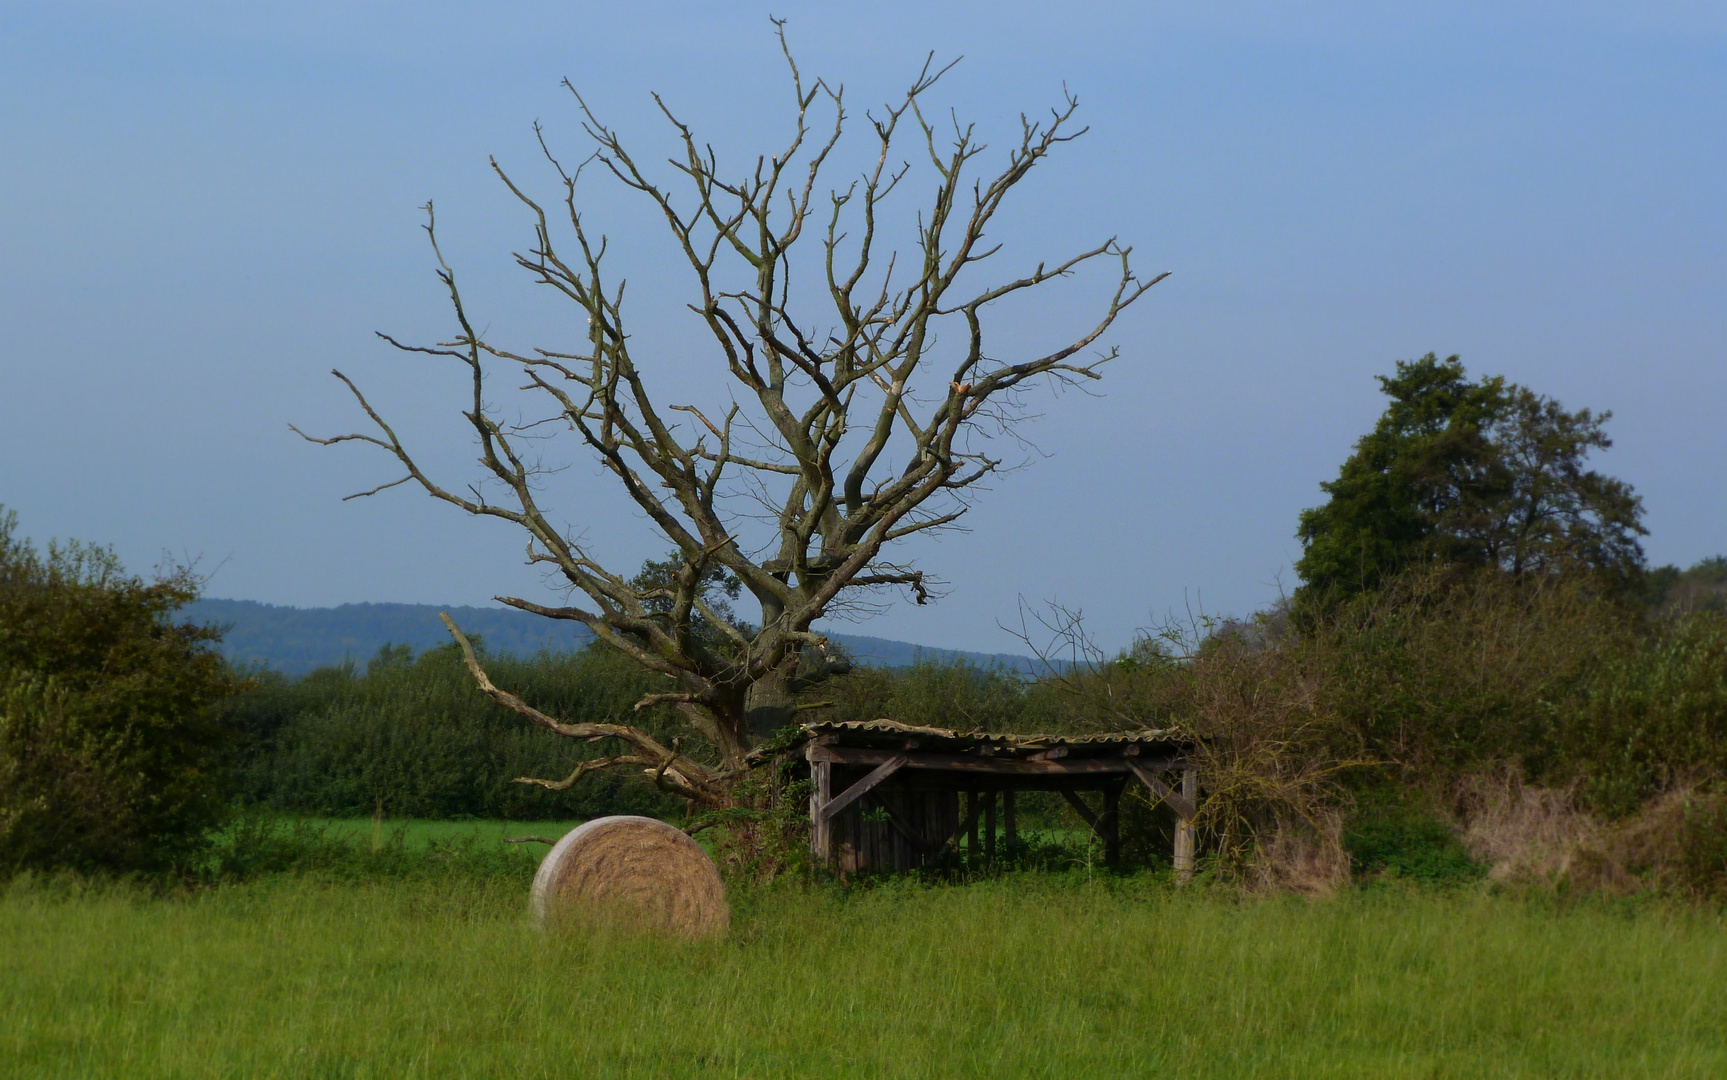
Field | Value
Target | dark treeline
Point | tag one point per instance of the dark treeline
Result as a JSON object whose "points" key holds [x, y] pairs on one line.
{"points": [[298, 641], [412, 735], [1428, 679]]}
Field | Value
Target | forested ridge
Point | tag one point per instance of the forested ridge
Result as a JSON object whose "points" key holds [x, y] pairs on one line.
{"points": [[296, 640]]}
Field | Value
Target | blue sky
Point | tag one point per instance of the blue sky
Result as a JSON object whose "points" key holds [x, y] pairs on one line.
{"points": [[205, 207]]}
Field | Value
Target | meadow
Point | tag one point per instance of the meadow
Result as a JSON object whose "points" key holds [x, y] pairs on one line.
{"points": [[418, 834], [1026, 974], [276, 923]]}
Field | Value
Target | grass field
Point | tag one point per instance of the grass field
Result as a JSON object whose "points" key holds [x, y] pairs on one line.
{"points": [[482, 840], [1026, 975], [416, 834]]}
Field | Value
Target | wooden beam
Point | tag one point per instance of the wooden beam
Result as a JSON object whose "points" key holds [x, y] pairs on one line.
{"points": [[989, 827], [861, 788], [1110, 823], [821, 773], [1186, 836], [1010, 834], [1005, 766], [933, 780], [1078, 804], [900, 825], [966, 826], [1181, 804]]}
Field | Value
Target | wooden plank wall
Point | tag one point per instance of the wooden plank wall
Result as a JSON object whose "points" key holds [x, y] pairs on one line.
{"points": [[865, 845]]}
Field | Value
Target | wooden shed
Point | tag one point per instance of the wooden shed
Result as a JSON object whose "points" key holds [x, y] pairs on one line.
{"points": [[891, 796]]}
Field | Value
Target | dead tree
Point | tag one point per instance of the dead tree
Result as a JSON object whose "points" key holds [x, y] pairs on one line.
{"points": [[838, 426]]}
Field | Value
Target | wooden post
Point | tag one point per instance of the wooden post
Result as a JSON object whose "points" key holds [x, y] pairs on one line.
{"points": [[821, 826], [1184, 831], [971, 803], [989, 827], [968, 824], [1011, 833], [1111, 822], [863, 787]]}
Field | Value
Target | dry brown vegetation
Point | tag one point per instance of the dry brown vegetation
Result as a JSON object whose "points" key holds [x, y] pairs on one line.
{"points": [[1539, 836], [1556, 734]]}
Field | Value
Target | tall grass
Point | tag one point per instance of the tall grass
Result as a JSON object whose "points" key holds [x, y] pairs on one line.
{"points": [[1029, 975]]}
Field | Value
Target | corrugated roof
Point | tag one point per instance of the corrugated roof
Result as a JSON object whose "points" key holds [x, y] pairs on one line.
{"points": [[995, 740]]}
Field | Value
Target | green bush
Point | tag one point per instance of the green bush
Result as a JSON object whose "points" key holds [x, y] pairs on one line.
{"points": [[1703, 846], [1440, 675], [1650, 716], [956, 695], [257, 846], [1412, 687], [1392, 839], [416, 737], [111, 755]]}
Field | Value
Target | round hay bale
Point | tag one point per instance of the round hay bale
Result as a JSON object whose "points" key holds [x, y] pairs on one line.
{"points": [[632, 872]]}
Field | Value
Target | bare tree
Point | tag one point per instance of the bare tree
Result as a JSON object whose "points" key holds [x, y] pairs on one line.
{"points": [[826, 427]]}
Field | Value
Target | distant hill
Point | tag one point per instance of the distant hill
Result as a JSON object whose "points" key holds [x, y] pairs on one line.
{"points": [[296, 640]]}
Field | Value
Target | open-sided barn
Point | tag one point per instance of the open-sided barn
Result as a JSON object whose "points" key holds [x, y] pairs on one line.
{"points": [[891, 796]]}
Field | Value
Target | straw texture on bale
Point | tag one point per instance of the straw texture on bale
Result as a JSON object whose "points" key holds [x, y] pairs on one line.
{"points": [[632, 872]]}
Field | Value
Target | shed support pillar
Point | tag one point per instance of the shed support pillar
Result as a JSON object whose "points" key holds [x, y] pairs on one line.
{"points": [[1110, 820], [821, 826], [1184, 830], [989, 827]]}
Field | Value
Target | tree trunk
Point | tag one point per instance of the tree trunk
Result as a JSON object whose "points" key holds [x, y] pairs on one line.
{"points": [[769, 705]]}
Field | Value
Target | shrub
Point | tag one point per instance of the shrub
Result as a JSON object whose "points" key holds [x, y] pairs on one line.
{"points": [[1439, 674], [1415, 687], [956, 695], [414, 735], [1650, 717], [1391, 838], [1703, 846], [110, 754]]}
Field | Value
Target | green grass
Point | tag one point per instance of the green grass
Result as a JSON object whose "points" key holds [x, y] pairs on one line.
{"points": [[484, 837], [359, 850], [416, 834], [1027, 975]]}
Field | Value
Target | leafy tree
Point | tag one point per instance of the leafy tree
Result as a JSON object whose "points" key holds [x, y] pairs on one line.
{"points": [[1468, 474], [716, 590], [1701, 588], [1541, 509], [110, 753]]}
